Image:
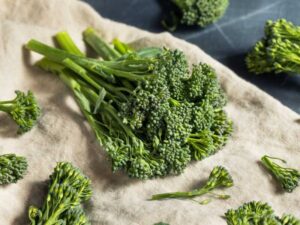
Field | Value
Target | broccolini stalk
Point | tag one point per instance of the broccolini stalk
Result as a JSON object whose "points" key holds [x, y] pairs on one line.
{"points": [[287, 177], [66, 43], [218, 178], [68, 188], [23, 109], [278, 51], [256, 213], [121, 47], [100, 46], [12, 168]]}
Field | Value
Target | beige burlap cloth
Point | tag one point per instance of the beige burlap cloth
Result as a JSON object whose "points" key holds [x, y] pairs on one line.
{"points": [[262, 125]]}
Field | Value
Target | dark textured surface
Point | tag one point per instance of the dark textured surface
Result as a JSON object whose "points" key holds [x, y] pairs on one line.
{"points": [[228, 40]]}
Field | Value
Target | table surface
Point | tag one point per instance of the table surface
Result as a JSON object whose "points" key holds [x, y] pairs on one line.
{"points": [[228, 40]]}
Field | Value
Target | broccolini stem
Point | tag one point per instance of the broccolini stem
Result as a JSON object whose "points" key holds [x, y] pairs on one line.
{"points": [[121, 47], [124, 74], [100, 46], [6, 106], [66, 43], [96, 66], [58, 55], [190, 194], [50, 66], [69, 63]]}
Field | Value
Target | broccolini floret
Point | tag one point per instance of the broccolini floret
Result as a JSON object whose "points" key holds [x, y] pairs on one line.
{"points": [[139, 103], [218, 178], [278, 51], [12, 168], [196, 12], [256, 213], [76, 216], [68, 188], [288, 177], [23, 109]]}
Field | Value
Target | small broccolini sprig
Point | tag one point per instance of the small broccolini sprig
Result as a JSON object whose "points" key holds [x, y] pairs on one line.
{"points": [[194, 12], [287, 177], [161, 223], [218, 178], [257, 213], [23, 109], [278, 51], [12, 168], [68, 188]]}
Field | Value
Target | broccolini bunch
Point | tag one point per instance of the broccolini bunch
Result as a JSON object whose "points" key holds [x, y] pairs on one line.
{"points": [[12, 168], [147, 110], [288, 177], [257, 213], [278, 51], [218, 178], [195, 12], [68, 189], [23, 109]]}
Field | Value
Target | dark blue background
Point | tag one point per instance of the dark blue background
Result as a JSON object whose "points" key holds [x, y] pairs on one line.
{"points": [[228, 40]]}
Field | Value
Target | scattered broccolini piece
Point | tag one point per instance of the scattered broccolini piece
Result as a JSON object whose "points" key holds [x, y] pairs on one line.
{"points": [[161, 223], [278, 51], [256, 213], [148, 111], [196, 12], [218, 178], [23, 109], [288, 178], [12, 168], [68, 188]]}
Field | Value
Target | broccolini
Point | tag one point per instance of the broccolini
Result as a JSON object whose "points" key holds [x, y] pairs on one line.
{"points": [[218, 178], [278, 51], [12, 168], [23, 109], [288, 177], [195, 12], [257, 213], [151, 115], [68, 188]]}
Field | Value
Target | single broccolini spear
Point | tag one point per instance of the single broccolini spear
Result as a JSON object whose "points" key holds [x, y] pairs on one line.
{"points": [[68, 188], [12, 168], [218, 178], [23, 109], [287, 177], [278, 51], [161, 223], [195, 12]]}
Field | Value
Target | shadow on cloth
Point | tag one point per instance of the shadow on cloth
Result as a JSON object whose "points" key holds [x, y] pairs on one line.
{"points": [[36, 197], [8, 128]]}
